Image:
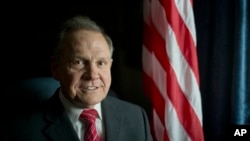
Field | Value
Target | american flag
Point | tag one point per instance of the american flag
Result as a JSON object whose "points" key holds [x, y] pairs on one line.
{"points": [[170, 70]]}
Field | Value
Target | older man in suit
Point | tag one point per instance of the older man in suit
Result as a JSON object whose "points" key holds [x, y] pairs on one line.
{"points": [[82, 64]]}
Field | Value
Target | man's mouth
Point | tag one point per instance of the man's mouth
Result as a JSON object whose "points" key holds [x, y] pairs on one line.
{"points": [[90, 87]]}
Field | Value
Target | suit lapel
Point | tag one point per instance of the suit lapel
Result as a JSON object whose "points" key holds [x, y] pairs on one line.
{"points": [[59, 127], [61, 130], [112, 119]]}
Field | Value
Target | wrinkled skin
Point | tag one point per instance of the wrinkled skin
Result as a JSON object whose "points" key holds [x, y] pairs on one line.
{"points": [[84, 68]]}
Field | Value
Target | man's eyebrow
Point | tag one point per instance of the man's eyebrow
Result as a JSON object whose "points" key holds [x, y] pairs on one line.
{"points": [[103, 57], [86, 58], [79, 57]]}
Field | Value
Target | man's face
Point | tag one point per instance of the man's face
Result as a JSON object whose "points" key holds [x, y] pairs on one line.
{"points": [[84, 69]]}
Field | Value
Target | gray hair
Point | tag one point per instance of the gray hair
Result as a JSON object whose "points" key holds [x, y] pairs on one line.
{"points": [[78, 23]]}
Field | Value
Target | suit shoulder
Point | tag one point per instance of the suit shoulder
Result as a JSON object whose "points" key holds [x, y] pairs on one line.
{"points": [[122, 104]]}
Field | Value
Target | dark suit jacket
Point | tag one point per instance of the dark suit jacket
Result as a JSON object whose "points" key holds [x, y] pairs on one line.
{"points": [[123, 122]]}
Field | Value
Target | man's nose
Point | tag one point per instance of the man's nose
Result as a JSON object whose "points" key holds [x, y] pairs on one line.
{"points": [[92, 72]]}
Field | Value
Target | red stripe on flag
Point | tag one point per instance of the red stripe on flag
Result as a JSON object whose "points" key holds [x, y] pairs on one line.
{"points": [[157, 102], [183, 36], [156, 44]]}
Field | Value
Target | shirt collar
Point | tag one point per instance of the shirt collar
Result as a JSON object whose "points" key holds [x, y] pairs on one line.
{"points": [[74, 112]]}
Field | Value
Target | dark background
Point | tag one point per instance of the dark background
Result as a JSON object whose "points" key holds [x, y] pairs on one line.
{"points": [[29, 31]]}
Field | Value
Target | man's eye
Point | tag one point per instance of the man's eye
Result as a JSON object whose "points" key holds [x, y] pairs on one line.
{"points": [[78, 62], [102, 63]]}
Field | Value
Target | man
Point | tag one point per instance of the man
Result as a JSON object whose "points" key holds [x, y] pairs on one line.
{"points": [[82, 65]]}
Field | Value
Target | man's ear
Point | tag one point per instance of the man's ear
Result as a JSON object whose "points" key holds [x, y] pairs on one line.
{"points": [[111, 62], [54, 67]]}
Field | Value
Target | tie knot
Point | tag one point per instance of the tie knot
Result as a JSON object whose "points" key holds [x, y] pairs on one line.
{"points": [[89, 115]]}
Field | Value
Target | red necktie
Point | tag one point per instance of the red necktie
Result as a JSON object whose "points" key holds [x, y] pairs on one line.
{"points": [[89, 115]]}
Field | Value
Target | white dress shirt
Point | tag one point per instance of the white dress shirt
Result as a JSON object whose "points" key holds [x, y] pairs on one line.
{"points": [[74, 112]]}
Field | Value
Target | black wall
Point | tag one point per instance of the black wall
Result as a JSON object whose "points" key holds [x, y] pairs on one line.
{"points": [[30, 30]]}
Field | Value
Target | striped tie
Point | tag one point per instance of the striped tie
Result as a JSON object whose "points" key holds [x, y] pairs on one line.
{"points": [[89, 116]]}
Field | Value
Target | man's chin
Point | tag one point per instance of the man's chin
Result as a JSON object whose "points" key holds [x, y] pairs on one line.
{"points": [[87, 104]]}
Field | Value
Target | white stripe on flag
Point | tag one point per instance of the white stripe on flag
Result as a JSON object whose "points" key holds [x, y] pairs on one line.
{"points": [[177, 61], [181, 115], [159, 78], [186, 11], [153, 68], [157, 125], [171, 117]]}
